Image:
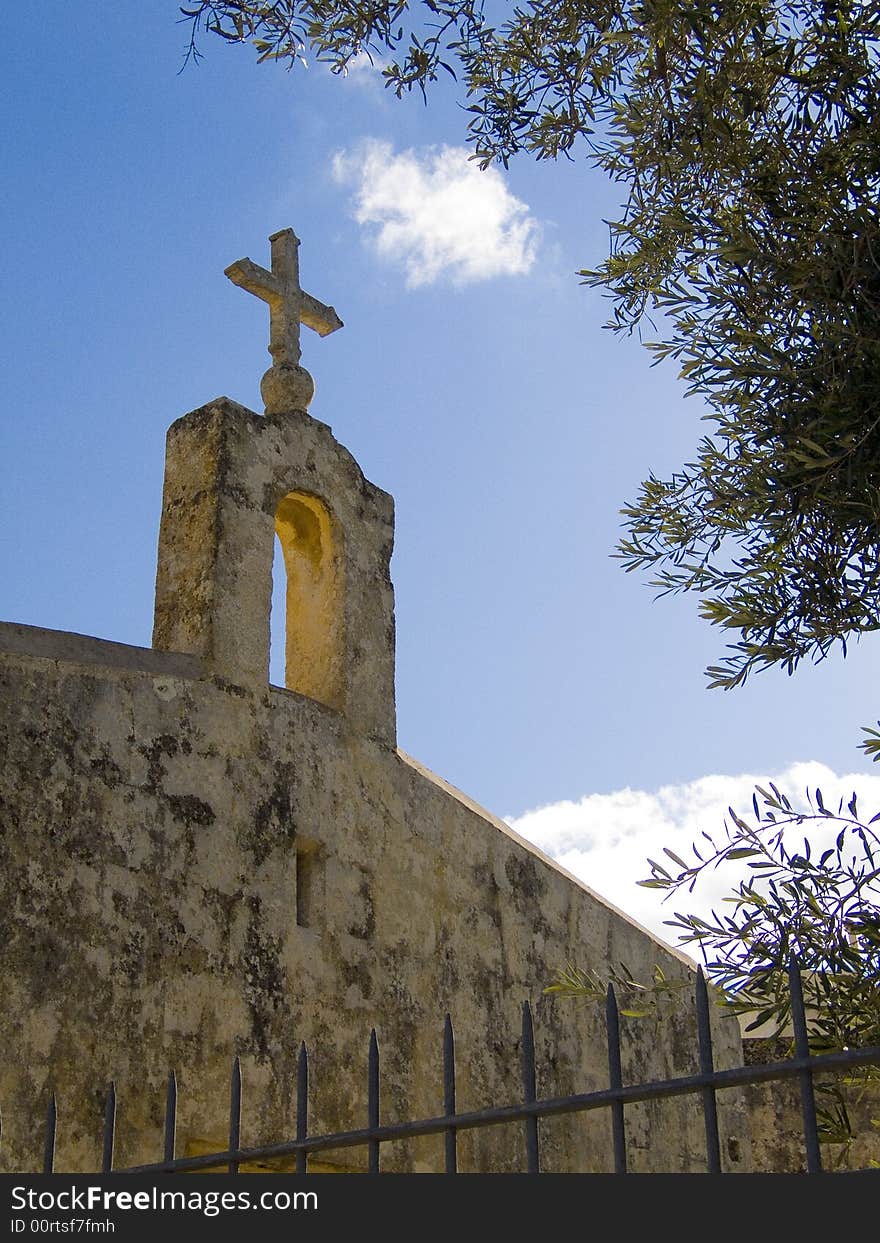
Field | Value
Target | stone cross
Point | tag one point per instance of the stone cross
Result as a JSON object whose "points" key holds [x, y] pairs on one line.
{"points": [[286, 385]]}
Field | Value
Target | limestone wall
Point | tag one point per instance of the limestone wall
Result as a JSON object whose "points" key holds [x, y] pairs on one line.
{"points": [[153, 821]]}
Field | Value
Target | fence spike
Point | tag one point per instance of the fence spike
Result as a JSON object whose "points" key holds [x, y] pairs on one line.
{"points": [[615, 1079], [707, 1067], [109, 1129], [449, 1094], [802, 1049], [170, 1118], [51, 1126], [302, 1106], [373, 1100], [234, 1112], [529, 1082]]}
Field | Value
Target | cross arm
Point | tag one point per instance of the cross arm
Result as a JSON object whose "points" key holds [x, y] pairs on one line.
{"points": [[320, 318], [254, 279]]}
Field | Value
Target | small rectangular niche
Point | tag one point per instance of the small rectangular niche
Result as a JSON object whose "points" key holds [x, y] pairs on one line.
{"points": [[308, 861]]}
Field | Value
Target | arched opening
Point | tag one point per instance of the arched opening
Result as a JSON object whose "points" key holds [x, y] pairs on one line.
{"points": [[314, 622]]}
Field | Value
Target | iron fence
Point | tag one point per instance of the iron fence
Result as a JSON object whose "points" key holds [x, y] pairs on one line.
{"points": [[803, 1066]]}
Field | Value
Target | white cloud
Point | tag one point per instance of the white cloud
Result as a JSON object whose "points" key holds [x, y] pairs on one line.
{"points": [[436, 214], [362, 74], [363, 69], [605, 839]]}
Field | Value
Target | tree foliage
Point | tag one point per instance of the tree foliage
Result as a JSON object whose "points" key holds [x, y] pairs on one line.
{"points": [[746, 138], [821, 905], [817, 901], [639, 998]]}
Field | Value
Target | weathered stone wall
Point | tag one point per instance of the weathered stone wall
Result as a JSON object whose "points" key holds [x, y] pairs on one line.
{"points": [[150, 828]]}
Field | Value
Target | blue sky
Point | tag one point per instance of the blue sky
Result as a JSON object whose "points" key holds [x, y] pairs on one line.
{"points": [[473, 380]]}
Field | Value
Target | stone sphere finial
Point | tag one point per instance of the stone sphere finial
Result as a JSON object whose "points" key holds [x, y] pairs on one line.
{"points": [[286, 387]]}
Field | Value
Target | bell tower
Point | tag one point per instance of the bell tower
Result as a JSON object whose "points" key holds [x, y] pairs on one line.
{"points": [[234, 480]]}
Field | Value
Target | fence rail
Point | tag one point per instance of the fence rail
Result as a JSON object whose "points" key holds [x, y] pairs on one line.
{"points": [[803, 1066]]}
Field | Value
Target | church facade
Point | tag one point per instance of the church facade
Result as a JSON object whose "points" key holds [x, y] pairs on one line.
{"points": [[197, 864]]}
